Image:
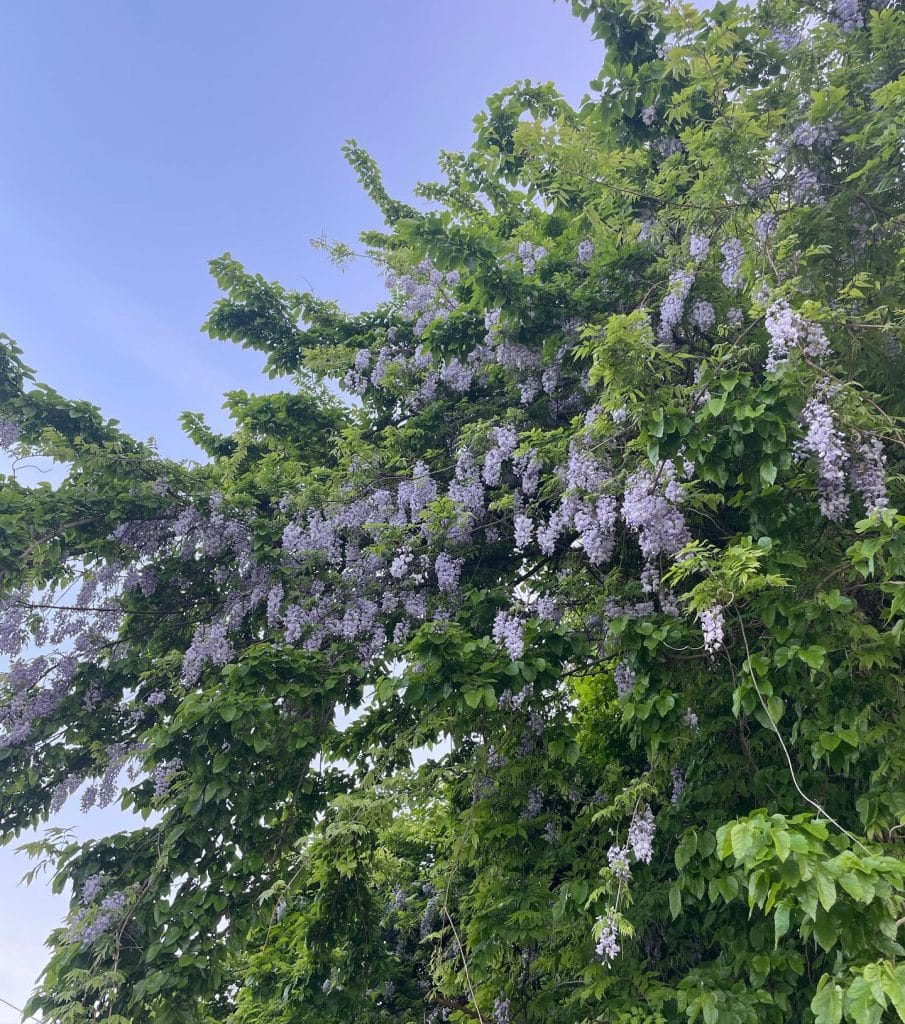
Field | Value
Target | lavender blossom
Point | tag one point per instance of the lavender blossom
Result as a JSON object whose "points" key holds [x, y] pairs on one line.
{"points": [[733, 254], [824, 442], [466, 490], [680, 282], [867, 475], [788, 38], [765, 225], [596, 526], [530, 255], [534, 805], [448, 570], [702, 315], [9, 434], [649, 510], [524, 530], [690, 719], [528, 468], [164, 774], [210, 645], [508, 632], [545, 609], [401, 565], [108, 913], [624, 677], [641, 835], [617, 859], [607, 948], [698, 247], [806, 186], [789, 331], [713, 628], [847, 15], [93, 885]]}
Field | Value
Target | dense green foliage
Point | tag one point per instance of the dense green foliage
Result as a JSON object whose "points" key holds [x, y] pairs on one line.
{"points": [[684, 301]]}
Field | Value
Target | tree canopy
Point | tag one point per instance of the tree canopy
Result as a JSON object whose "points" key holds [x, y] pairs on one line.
{"points": [[537, 653]]}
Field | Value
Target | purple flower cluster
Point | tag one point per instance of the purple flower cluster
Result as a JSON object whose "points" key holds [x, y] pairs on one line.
{"points": [[93, 885], [506, 439], [88, 927], [824, 442], [703, 315], [210, 646], [847, 15], [530, 255], [164, 774], [698, 247], [617, 860], [425, 294], [806, 186], [430, 918], [545, 608], [733, 254], [673, 304], [649, 509], [448, 570], [765, 225], [508, 632], [596, 526], [867, 474], [534, 805], [607, 948], [669, 147], [789, 38], [789, 331], [641, 835], [808, 135], [585, 251], [624, 678], [713, 628], [524, 531], [9, 434]]}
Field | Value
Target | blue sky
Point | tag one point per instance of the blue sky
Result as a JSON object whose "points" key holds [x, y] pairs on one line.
{"points": [[141, 140]]}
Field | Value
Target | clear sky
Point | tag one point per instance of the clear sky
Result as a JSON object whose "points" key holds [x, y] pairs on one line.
{"points": [[141, 140]]}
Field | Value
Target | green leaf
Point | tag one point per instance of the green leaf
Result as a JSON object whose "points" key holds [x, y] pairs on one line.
{"points": [[857, 886], [742, 840], [861, 1004], [782, 843], [814, 656], [825, 930], [827, 1003], [826, 890], [780, 923], [675, 901], [686, 849], [893, 981]]}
